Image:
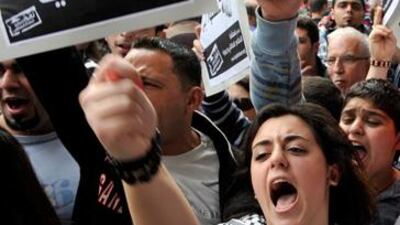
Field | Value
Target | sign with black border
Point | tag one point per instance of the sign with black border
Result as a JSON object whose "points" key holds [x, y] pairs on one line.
{"points": [[33, 26], [392, 17], [225, 38]]}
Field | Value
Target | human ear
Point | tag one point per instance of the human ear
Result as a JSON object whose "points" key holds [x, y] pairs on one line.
{"points": [[332, 15], [397, 145], [315, 47], [333, 175], [195, 97]]}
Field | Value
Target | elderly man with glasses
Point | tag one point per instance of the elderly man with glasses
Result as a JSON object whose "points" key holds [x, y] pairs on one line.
{"points": [[348, 57]]}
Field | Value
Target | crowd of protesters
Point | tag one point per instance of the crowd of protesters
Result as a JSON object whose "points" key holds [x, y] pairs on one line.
{"points": [[122, 132]]}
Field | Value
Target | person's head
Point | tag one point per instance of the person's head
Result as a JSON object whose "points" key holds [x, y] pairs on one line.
{"points": [[182, 27], [121, 43], [240, 93], [22, 112], [185, 39], [348, 57], [370, 118], [171, 76], [323, 92], [318, 6], [348, 12], [302, 169], [183, 32], [90, 50], [308, 34], [25, 200]]}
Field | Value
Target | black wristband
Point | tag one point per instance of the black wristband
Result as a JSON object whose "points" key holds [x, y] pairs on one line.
{"points": [[382, 64], [143, 169]]}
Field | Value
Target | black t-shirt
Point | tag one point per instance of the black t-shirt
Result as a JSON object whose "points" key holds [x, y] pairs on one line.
{"points": [[100, 198]]}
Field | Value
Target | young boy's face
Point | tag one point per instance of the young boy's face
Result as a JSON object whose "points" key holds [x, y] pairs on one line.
{"points": [[374, 134]]}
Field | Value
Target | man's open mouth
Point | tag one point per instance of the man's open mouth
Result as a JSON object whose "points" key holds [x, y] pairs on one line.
{"points": [[125, 46], [15, 102]]}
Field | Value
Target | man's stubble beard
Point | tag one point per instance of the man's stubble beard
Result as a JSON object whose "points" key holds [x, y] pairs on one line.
{"points": [[20, 124]]}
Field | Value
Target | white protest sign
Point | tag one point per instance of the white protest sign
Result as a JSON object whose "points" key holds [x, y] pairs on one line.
{"points": [[225, 38], [33, 26], [392, 17]]}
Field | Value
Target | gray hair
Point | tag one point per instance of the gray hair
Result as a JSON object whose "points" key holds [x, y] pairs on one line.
{"points": [[351, 33]]}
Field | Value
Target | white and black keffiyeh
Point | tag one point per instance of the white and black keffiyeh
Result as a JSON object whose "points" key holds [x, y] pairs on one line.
{"points": [[252, 219]]}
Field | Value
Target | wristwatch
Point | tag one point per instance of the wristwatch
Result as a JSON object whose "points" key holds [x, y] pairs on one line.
{"points": [[143, 169]]}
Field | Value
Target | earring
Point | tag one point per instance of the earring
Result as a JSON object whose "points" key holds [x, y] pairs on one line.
{"points": [[333, 182]]}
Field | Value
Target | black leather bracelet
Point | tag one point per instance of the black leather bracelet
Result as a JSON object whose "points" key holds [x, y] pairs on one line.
{"points": [[143, 169]]}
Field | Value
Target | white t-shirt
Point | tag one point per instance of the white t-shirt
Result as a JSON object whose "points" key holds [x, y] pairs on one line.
{"points": [[56, 170], [197, 174]]}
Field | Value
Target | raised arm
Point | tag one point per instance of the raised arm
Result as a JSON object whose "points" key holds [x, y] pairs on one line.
{"points": [[220, 108], [124, 121], [227, 116], [276, 73], [382, 45]]}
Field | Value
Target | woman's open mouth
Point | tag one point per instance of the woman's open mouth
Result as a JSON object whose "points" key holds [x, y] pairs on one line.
{"points": [[283, 195]]}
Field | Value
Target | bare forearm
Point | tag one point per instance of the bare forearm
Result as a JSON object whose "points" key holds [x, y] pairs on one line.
{"points": [[377, 72], [159, 202]]}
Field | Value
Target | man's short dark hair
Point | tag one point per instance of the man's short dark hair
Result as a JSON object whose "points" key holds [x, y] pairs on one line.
{"points": [[322, 91], [185, 62], [362, 3], [380, 93], [317, 5], [307, 24]]}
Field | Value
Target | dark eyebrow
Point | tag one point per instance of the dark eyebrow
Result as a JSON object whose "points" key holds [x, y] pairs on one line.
{"points": [[367, 112], [302, 39], [374, 113], [350, 2], [145, 78], [348, 111], [11, 65], [293, 137], [262, 143], [15, 66], [286, 140], [349, 55]]}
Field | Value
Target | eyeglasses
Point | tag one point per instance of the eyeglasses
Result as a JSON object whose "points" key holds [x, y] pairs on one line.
{"points": [[346, 60], [243, 103]]}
